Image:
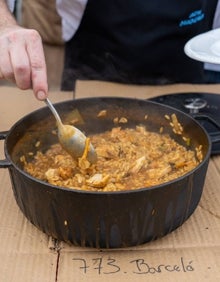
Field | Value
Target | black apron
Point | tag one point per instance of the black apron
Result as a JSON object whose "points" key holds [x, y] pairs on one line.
{"points": [[137, 42]]}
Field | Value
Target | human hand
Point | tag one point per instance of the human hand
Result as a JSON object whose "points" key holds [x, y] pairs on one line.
{"points": [[22, 59]]}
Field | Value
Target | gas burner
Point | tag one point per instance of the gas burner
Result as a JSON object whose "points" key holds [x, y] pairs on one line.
{"points": [[204, 107]]}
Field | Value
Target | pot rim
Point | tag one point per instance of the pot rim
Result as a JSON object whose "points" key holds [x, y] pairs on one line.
{"points": [[137, 190]]}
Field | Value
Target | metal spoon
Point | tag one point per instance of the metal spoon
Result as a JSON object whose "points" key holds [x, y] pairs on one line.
{"points": [[71, 138]]}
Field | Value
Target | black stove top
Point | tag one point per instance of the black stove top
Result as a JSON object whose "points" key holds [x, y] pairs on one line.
{"points": [[204, 107]]}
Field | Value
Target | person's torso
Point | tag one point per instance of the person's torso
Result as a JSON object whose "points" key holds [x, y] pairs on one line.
{"points": [[143, 36]]}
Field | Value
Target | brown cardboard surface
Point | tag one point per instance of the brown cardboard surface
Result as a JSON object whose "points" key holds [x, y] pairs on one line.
{"points": [[190, 253], [97, 88]]}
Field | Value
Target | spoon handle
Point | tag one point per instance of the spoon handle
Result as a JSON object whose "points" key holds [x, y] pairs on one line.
{"points": [[53, 110]]}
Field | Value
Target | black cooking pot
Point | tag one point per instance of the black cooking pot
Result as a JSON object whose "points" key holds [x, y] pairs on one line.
{"points": [[104, 219]]}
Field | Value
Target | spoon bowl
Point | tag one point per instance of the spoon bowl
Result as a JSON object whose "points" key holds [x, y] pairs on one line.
{"points": [[71, 138]]}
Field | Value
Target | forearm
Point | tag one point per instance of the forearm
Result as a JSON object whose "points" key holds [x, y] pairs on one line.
{"points": [[6, 17]]}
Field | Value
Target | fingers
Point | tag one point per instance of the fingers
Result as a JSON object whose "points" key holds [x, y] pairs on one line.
{"points": [[37, 65], [6, 69], [22, 60], [20, 65]]}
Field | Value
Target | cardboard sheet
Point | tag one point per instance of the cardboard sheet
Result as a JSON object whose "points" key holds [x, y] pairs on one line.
{"points": [[190, 253]]}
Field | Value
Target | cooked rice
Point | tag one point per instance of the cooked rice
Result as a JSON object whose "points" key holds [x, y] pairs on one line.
{"points": [[127, 159]]}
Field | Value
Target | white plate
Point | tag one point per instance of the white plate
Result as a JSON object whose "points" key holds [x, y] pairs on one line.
{"points": [[205, 47]]}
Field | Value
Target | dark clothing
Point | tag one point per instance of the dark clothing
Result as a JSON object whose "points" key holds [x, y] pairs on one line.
{"points": [[212, 76], [137, 42]]}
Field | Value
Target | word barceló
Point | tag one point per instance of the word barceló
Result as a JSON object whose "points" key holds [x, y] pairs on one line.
{"points": [[144, 268]]}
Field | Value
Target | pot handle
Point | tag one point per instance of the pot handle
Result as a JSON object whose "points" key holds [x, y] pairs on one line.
{"points": [[4, 163]]}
